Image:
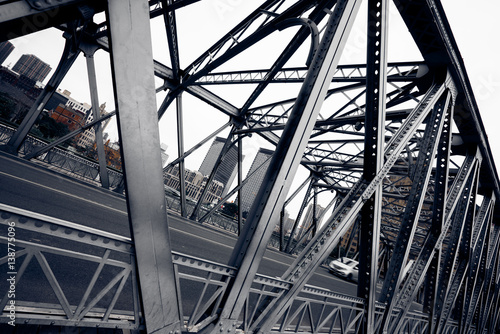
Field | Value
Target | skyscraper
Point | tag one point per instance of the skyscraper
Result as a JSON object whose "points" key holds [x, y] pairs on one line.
{"points": [[5, 49], [227, 169], [32, 67], [308, 219], [252, 186]]}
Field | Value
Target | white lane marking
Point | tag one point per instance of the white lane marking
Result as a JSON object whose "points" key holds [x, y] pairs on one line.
{"points": [[230, 247], [125, 213], [65, 193]]}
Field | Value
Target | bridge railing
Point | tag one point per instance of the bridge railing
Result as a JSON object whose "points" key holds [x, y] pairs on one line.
{"points": [[64, 274], [316, 310], [62, 160]]}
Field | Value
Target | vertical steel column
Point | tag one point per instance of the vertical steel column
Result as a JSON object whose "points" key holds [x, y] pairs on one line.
{"points": [[315, 204], [371, 213], [70, 53], [269, 201], [89, 51], [180, 151], [133, 81], [240, 181]]}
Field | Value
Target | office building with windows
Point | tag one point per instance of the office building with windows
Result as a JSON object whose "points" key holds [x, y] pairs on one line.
{"points": [[6, 49], [257, 172], [32, 67], [227, 169]]}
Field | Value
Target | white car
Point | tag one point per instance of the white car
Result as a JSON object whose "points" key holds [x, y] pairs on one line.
{"points": [[345, 267]]}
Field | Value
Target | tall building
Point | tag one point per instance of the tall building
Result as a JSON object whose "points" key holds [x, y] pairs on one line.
{"points": [[164, 155], [308, 219], [195, 182], [32, 67], [251, 188], [87, 138], [227, 169], [59, 97], [5, 50]]}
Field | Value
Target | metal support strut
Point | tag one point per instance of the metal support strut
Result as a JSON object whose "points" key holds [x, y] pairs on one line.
{"points": [[138, 126]]}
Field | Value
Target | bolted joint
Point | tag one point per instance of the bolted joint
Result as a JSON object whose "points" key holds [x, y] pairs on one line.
{"points": [[45, 4], [225, 326]]}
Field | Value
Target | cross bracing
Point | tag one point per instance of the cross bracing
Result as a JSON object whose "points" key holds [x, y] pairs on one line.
{"points": [[395, 150]]}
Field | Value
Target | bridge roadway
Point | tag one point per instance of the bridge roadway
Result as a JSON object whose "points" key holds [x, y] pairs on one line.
{"points": [[27, 186]]}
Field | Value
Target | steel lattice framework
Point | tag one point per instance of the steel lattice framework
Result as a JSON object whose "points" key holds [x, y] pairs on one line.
{"points": [[398, 147]]}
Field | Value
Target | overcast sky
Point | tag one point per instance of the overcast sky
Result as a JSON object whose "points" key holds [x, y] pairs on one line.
{"points": [[476, 29]]}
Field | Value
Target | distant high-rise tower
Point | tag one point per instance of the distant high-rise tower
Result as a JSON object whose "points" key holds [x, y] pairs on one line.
{"points": [[308, 219], [32, 67], [227, 169], [5, 49], [252, 186]]}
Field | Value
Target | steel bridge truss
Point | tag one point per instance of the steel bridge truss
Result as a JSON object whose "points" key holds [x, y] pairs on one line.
{"points": [[395, 151]]}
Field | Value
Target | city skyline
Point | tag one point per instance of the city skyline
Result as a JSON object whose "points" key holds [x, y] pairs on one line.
{"points": [[482, 25]]}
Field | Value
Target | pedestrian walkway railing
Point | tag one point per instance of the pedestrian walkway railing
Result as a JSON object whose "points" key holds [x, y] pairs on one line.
{"points": [[62, 160], [64, 274]]}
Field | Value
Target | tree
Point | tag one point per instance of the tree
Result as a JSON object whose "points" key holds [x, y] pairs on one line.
{"points": [[230, 209], [7, 106], [52, 129]]}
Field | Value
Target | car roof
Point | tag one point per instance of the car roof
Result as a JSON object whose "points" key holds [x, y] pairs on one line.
{"points": [[347, 260]]}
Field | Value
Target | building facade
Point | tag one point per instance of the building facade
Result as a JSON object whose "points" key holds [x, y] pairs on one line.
{"points": [[195, 183], [6, 49], [87, 138], [32, 67], [251, 188], [311, 213], [227, 169], [74, 119]]}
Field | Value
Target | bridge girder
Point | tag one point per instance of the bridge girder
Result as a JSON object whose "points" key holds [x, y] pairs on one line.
{"points": [[361, 131]]}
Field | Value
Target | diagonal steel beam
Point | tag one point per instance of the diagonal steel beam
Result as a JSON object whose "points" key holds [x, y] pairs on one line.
{"points": [[477, 263], [266, 209], [310, 29], [490, 279], [438, 219], [293, 233], [465, 217], [433, 242], [70, 53], [172, 38], [410, 218], [225, 149], [70, 135], [345, 214], [447, 268]]}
